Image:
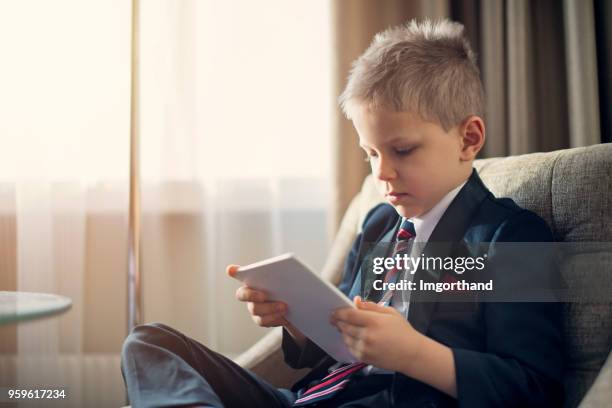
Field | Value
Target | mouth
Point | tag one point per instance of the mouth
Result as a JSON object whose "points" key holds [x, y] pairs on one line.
{"points": [[394, 196]]}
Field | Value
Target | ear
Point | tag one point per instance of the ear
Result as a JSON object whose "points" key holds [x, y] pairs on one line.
{"points": [[472, 132]]}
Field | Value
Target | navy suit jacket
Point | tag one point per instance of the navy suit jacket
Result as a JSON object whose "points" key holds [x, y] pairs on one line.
{"points": [[505, 353]]}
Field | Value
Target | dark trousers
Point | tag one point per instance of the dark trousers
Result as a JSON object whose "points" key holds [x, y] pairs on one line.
{"points": [[162, 367]]}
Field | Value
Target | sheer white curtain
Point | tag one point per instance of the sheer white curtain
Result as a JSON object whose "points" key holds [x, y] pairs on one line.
{"points": [[64, 131], [235, 102], [235, 112]]}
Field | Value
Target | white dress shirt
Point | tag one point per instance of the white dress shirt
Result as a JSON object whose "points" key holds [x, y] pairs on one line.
{"points": [[424, 224]]}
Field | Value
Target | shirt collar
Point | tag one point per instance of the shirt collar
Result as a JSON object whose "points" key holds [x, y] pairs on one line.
{"points": [[425, 223]]}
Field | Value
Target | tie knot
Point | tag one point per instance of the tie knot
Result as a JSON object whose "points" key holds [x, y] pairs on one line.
{"points": [[406, 231]]}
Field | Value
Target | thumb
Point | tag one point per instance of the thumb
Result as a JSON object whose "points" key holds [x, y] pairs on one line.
{"points": [[374, 307], [231, 270]]}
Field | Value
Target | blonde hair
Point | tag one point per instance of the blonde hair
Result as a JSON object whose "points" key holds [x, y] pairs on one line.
{"points": [[426, 67]]}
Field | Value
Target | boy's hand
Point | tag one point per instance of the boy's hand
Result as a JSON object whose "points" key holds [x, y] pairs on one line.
{"points": [[378, 335], [263, 312]]}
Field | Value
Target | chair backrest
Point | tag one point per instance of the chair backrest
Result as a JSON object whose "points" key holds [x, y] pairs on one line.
{"points": [[572, 190]]}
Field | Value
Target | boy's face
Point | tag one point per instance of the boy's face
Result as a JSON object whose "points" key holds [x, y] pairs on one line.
{"points": [[415, 162]]}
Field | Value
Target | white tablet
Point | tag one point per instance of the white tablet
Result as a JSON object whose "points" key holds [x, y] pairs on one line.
{"points": [[311, 300]]}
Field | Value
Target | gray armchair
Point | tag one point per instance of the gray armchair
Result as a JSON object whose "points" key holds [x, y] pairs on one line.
{"points": [[572, 190]]}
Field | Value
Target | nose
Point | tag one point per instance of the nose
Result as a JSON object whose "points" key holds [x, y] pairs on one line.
{"points": [[384, 169]]}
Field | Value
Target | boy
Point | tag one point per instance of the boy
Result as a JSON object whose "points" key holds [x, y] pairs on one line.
{"points": [[416, 101]]}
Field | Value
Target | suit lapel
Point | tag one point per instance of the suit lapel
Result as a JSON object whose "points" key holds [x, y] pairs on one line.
{"points": [[449, 232]]}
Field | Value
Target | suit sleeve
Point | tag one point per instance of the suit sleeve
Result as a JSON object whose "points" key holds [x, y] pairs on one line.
{"points": [[522, 362]]}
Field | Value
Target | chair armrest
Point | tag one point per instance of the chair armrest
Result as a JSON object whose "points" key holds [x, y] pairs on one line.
{"points": [[265, 358]]}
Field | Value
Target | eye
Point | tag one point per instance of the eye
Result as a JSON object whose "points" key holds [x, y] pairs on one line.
{"points": [[404, 151]]}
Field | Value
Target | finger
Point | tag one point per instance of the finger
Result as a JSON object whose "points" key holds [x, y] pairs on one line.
{"points": [[231, 270], [355, 317], [269, 320], [374, 307], [350, 342], [358, 349], [355, 346], [350, 330], [266, 308], [246, 294]]}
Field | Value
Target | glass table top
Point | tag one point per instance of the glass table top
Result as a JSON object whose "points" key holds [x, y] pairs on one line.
{"points": [[20, 306]]}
